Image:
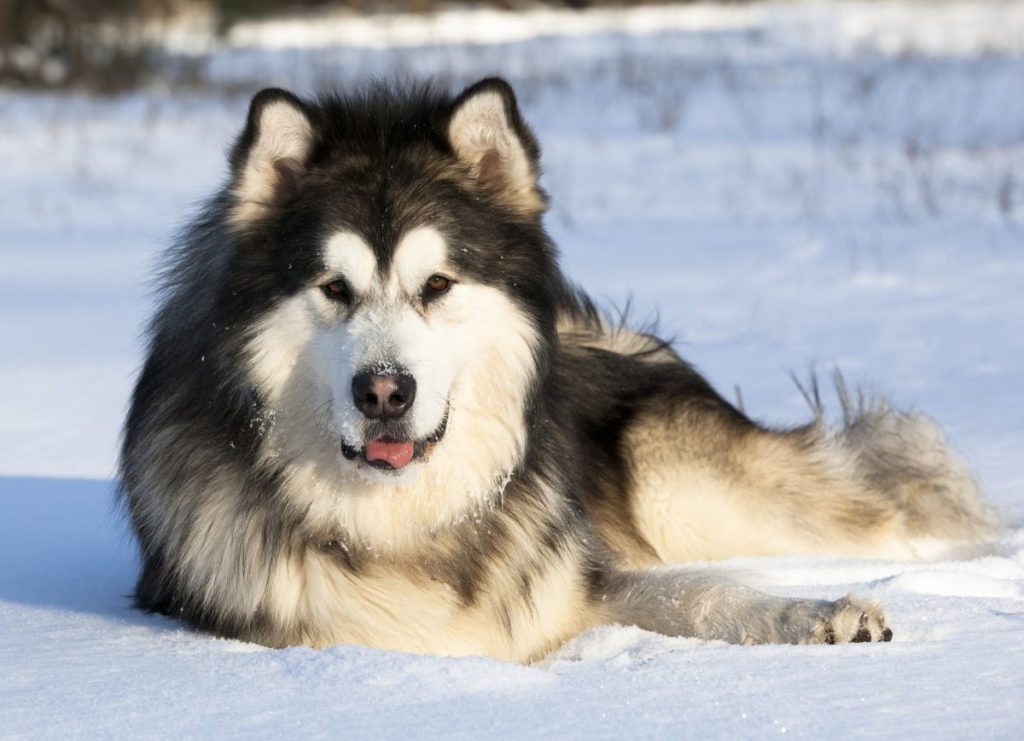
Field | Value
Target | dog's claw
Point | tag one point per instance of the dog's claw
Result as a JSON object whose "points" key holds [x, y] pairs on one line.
{"points": [[850, 620]]}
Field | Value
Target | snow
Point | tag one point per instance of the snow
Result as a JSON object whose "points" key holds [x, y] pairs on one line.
{"points": [[791, 186]]}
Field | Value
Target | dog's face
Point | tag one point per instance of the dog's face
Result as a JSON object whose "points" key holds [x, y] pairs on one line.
{"points": [[394, 339], [388, 351], [408, 280]]}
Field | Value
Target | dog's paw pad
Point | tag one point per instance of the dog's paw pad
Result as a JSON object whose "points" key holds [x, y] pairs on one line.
{"points": [[850, 620]]}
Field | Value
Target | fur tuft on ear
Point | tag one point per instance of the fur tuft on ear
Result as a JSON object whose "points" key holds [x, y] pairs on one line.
{"points": [[271, 153], [490, 138]]}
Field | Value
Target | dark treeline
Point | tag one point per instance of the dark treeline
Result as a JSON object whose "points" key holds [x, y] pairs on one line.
{"points": [[109, 44]]}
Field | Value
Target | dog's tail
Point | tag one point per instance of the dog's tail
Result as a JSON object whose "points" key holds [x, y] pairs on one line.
{"points": [[904, 458]]}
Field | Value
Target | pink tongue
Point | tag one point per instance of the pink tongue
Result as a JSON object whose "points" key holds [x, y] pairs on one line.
{"points": [[398, 454]]}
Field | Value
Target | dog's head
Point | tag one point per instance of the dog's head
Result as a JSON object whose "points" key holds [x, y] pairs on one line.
{"points": [[391, 250]]}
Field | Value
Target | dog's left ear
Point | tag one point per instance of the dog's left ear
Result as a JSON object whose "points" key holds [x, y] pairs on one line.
{"points": [[490, 138]]}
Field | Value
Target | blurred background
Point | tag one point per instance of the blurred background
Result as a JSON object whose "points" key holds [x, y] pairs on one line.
{"points": [[114, 44]]}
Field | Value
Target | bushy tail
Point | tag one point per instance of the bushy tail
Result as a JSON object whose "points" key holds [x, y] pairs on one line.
{"points": [[905, 457]]}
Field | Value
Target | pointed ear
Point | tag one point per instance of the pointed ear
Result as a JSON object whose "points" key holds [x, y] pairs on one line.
{"points": [[271, 154], [489, 137]]}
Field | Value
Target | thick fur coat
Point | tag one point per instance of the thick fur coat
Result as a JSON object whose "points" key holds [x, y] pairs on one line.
{"points": [[374, 411]]}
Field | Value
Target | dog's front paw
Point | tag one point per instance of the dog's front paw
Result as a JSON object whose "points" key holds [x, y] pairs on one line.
{"points": [[850, 620]]}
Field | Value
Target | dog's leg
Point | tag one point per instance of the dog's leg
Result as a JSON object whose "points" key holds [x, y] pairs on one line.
{"points": [[701, 604]]}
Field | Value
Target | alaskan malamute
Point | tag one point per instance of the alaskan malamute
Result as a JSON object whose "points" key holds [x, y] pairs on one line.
{"points": [[374, 411]]}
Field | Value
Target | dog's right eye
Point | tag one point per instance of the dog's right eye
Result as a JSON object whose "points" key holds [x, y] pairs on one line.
{"points": [[337, 290]]}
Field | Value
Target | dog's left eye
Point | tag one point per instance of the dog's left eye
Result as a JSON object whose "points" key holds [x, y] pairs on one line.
{"points": [[435, 286]]}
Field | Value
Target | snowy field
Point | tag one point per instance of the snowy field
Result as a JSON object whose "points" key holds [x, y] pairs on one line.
{"points": [[791, 187]]}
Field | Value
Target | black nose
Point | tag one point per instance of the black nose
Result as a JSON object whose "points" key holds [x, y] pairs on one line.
{"points": [[383, 395]]}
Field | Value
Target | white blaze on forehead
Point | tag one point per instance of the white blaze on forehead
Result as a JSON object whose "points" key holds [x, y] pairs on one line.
{"points": [[348, 255], [421, 253]]}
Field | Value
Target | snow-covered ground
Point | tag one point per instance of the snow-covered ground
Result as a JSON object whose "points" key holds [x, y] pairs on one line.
{"points": [[791, 186]]}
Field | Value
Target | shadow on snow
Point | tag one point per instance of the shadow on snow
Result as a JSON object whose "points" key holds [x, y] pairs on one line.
{"points": [[64, 545]]}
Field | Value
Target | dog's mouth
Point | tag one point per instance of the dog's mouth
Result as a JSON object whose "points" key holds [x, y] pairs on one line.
{"points": [[393, 454]]}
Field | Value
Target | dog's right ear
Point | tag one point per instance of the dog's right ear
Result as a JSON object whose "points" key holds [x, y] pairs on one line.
{"points": [[271, 154]]}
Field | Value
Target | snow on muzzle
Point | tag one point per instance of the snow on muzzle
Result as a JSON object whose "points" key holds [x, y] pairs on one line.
{"points": [[384, 395]]}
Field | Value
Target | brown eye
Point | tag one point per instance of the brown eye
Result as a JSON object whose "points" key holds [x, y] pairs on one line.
{"points": [[438, 284], [337, 290]]}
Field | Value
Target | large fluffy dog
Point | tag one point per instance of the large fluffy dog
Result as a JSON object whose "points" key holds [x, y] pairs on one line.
{"points": [[374, 411]]}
